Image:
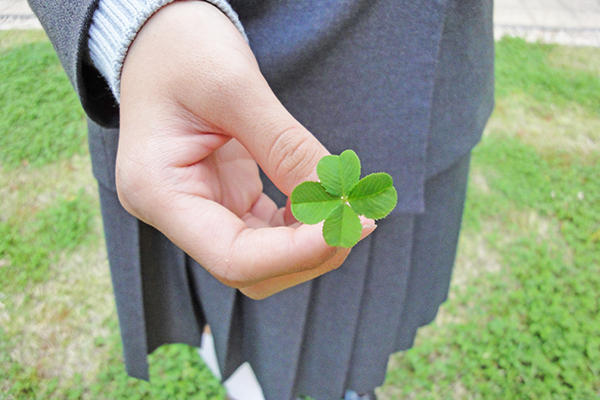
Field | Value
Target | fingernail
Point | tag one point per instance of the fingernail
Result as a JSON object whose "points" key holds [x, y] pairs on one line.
{"points": [[367, 223], [368, 228]]}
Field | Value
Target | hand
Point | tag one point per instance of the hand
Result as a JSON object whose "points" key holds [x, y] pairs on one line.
{"points": [[196, 117]]}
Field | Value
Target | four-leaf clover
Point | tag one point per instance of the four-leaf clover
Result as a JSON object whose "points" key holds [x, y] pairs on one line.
{"points": [[340, 197]]}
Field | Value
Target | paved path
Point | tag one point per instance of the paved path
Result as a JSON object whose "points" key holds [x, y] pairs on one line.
{"points": [[575, 22], [16, 14]]}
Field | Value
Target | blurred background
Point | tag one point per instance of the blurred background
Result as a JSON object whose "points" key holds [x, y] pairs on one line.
{"points": [[523, 317]]}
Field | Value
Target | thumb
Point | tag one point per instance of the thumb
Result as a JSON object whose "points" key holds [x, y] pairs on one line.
{"points": [[286, 151]]}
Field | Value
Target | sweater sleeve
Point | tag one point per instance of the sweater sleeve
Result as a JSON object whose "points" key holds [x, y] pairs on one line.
{"points": [[114, 26]]}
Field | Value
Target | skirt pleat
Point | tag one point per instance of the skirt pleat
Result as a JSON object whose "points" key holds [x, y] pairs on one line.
{"points": [[382, 303], [273, 330], [434, 240], [173, 312], [331, 325], [218, 307]]}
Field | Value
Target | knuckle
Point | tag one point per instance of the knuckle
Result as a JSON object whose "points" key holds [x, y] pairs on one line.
{"points": [[231, 279], [228, 80], [228, 271], [131, 183], [337, 258], [335, 265], [123, 183], [254, 294], [290, 154]]}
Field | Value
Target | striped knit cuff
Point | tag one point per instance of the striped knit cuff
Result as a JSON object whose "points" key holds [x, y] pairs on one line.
{"points": [[115, 24]]}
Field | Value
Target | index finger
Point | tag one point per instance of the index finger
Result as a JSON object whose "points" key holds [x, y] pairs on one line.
{"points": [[234, 253]]}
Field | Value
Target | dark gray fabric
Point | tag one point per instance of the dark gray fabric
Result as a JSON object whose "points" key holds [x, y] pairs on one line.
{"points": [[395, 80], [464, 85], [121, 232], [343, 70], [408, 85]]}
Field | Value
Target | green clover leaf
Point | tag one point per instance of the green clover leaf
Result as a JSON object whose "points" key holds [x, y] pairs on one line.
{"points": [[342, 227], [340, 197], [311, 204], [339, 174], [374, 196]]}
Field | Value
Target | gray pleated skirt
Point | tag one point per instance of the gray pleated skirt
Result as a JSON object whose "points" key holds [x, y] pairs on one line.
{"points": [[338, 331], [319, 338]]}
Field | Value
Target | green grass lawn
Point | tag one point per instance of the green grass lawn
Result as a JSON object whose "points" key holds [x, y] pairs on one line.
{"points": [[523, 317]]}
